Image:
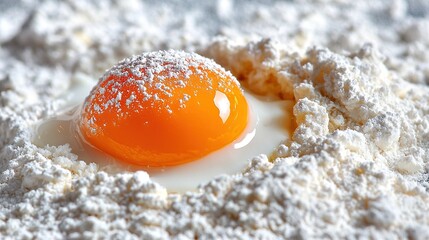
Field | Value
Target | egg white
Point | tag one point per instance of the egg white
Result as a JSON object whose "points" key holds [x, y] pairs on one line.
{"points": [[268, 125]]}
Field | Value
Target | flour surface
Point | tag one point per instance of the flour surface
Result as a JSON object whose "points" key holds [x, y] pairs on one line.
{"points": [[356, 166]]}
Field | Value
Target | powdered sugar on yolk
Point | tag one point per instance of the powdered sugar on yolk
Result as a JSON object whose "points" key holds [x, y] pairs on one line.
{"points": [[163, 108]]}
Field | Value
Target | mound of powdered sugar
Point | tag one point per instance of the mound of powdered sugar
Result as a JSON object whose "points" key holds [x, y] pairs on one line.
{"points": [[356, 166]]}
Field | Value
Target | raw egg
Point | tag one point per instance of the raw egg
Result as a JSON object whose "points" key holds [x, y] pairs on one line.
{"points": [[179, 116], [163, 108]]}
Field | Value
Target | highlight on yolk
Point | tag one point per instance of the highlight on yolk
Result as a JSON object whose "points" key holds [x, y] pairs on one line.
{"points": [[163, 108]]}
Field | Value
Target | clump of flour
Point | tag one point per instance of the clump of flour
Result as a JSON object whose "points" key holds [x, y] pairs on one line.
{"points": [[356, 165]]}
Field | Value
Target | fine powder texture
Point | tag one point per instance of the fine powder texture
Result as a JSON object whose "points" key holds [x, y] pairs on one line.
{"points": [[356, 166]]}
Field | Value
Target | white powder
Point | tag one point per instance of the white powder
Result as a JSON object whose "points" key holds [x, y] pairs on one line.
{"points": [[356, 167]]}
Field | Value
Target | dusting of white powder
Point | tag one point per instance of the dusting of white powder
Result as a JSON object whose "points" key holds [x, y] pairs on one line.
{"points": [[356, 166]]}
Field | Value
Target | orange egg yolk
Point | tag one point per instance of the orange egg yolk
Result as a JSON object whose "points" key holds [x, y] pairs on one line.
{"points": [[163, 108]]}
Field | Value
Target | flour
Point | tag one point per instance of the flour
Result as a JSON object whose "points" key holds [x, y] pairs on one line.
{"points": [[356, 166]]}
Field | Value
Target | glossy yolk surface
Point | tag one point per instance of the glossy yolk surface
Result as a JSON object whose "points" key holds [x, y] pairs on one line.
{"points": [[164, 108]]}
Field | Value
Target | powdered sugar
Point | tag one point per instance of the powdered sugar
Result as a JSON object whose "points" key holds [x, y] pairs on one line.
{"points": [[357, 163]]}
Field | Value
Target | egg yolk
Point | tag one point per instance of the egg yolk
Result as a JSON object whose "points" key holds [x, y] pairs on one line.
{"points": [[163, 108]]}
